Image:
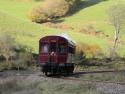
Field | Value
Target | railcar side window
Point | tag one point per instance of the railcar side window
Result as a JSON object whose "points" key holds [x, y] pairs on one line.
{"points": [[62, 48], [71, 50], [45, 48]]}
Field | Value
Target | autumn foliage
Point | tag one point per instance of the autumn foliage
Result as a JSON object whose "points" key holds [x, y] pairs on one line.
{"points": [[50, 9], [91, 50], [37, 14]]}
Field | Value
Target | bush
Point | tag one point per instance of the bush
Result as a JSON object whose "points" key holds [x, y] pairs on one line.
{"points": [[91, 50], [7, 65], [13, 55], [72, 2], [79, 58], [7, 46], [37, 14], [56, 8], [50, 9], [24, 60]]}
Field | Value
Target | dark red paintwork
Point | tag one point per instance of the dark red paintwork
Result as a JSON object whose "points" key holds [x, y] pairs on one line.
{"points": [[58, 57]]}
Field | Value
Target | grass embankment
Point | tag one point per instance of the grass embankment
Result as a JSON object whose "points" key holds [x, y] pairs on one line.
{"points": [[13, 20], [38, 85], [99, 72], [34, 84]]}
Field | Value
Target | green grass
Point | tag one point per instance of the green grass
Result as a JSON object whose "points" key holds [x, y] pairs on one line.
{"points": [[96, 15], [16, 8], [105, 76], [14, 21], [37, 85]]}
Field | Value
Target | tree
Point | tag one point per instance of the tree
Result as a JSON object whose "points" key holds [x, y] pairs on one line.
{"points": [[7, 45], [50, 9], [24, 60], [117, 19], [37, 14]]}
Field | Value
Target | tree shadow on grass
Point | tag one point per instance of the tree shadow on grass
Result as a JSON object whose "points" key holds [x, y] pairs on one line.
{"points": [[81, 4], [56, 20]]}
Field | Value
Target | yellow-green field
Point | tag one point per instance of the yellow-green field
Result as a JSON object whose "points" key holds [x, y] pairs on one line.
{"points": [[14, 21]]}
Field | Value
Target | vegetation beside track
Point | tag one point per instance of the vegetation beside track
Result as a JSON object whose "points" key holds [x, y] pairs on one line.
{"points": [[90, 16], [35, 84], [13, 20]]}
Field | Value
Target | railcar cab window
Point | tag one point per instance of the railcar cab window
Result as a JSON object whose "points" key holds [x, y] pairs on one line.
{"points": [[62, 48], [44, 48], [71, 50], [53, 47]]}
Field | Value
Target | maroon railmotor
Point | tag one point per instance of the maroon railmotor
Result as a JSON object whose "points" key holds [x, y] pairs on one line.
{"points": [[56, 55]]}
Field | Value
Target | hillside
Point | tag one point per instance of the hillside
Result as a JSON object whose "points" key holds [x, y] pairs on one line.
{"points": [[14, 21]]}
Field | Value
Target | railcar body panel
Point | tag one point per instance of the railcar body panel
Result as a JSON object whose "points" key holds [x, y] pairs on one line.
{"points": [[54, 53]]}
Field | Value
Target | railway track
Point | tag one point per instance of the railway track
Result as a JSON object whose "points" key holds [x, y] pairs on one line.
{"points": [[91, 81], [97, 71], [72, 77]]}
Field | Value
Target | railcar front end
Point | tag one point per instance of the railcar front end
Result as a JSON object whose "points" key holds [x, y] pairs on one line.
{"points": [[56, 55]]}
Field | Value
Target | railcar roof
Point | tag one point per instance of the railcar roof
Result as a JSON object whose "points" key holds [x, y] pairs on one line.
{"points": [[69, 41]]}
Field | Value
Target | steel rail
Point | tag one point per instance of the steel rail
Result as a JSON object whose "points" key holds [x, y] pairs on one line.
{"points": [[71, 78], [91, 81]]}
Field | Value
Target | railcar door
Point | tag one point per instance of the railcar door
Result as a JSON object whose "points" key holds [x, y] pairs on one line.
{"points": [[62, 52], [53, 52]]}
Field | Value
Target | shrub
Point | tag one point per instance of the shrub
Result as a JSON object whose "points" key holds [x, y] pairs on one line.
{"points": [[7, 46], [13, 55], [79, 58], [56, 8], [91, 50], [24, 60], [71, 2], [37, 14], [7, 65], [50, 9]]}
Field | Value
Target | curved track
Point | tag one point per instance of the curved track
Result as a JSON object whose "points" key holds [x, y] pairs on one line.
{"points": [[69, 77], [97, 71], [76, 76], [91, 81]]}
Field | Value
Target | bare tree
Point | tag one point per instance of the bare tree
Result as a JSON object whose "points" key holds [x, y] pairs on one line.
{"points": [[117, 19], [7, 45]]}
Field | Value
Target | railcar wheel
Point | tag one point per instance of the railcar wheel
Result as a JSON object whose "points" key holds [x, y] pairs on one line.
{"points": [[47, 74]]}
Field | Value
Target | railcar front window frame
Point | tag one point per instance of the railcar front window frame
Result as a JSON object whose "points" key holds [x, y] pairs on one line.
{"points": [[44, 48], [62, 48]]}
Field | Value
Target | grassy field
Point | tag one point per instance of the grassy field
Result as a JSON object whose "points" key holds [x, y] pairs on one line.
{"points": [[38, 85], [14, 21]]}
